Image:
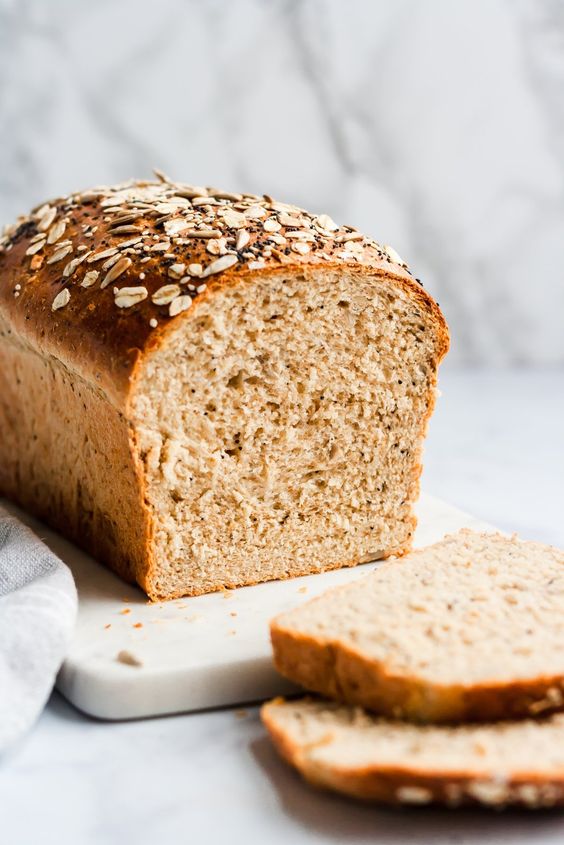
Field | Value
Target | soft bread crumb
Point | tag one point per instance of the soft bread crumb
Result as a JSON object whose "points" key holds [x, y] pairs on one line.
{"points": [[290, 439]]}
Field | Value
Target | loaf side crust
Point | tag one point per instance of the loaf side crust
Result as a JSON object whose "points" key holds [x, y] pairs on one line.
{"points": [[343, 674], [397, 786]]}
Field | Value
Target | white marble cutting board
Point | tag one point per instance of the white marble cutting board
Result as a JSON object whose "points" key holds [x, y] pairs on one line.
{"points": [[194, 653]]}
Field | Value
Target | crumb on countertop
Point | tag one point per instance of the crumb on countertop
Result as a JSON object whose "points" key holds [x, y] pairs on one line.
{"points": [[128, 658]]}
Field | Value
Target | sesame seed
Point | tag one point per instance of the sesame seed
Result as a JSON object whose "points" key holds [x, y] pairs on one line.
{"points": [[153, 323]]}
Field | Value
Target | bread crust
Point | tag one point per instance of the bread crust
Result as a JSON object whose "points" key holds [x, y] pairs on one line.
{"points": [[102, 348], [397, 785], [105, 345], [343, 674]]}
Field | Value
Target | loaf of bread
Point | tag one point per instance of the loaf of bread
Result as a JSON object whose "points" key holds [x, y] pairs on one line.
{"points": [[471, 628], [346, 750], [206, 389]]}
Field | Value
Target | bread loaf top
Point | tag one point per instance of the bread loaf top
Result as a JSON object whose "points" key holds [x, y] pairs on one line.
{"points": [[96, 279]]}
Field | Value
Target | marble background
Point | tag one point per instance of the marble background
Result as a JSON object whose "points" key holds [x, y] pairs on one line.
{"points": [[436, 126]]}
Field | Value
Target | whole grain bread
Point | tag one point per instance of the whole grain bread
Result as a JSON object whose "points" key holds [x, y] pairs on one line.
{"points": [[207, 389], [343, 749], [471, 628]]}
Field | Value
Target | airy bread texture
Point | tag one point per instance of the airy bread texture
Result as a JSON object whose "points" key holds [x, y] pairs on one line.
{"points": [[471, 628], [207, 390], [345, 750]]}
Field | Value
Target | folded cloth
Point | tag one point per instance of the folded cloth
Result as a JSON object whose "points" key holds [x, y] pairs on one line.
{"points": [[38, 606]]}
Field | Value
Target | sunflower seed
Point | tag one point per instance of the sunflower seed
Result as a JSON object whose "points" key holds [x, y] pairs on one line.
{"points": [[60, 253], [89, 279], [61, 299], [216, 246], [161, 246], [234, 219], [126, 297], [256, 265], [288, 220], [202, 233], [300, 248], [98, 256], [271, 225], [349, 236], [255, 212], [125, 230], [243, 239], [392, 254], [123, 219], [175, 226], [131, 242], [180, 303], [113, 259], [161, 176], [71, 266], [224, 195], [176, 270], [165, 294], [46, 219], [31, 250], [195, 269], [114, 272], [219, 265], [300, 235], [326, 222], [197, 201], [190, 191]]}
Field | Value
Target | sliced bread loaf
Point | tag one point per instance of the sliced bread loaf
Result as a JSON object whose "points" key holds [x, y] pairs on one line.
{"points": [[207, 389], [471, 628], [346, 750]]}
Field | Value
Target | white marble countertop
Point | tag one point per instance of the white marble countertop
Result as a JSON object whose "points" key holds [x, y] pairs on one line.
{"points": [[496, 448]]}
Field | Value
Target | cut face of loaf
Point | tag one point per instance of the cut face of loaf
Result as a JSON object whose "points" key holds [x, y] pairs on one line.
{"points": [[470, 628], [206, 389], [280, 430], [345, 750]]}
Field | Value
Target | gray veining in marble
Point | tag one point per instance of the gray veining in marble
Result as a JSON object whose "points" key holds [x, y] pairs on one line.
{"points": [[437, 127]]}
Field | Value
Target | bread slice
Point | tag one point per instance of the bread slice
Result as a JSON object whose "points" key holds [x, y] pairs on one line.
{"points": [[207, 389], [471, 628], [346, 750]]}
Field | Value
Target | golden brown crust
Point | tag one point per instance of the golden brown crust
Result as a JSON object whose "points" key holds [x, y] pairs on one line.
{"points": [[397, 785], [102, 342], [343, 673]]}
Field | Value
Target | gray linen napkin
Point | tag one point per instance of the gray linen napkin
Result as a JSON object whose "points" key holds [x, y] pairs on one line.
{"points": [[38, 606]]}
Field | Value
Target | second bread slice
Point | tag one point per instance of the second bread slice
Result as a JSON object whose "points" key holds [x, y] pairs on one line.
{"points": [[471, 628]]}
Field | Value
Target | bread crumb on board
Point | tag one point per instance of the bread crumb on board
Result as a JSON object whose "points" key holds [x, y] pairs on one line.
{"points": [[125, 611], [128, 658]]}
